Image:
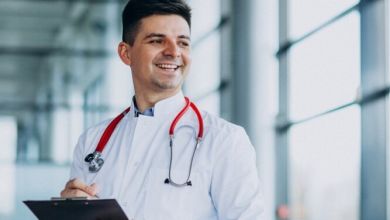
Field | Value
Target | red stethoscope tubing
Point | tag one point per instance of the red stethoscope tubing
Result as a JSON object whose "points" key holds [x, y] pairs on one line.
{"points": [[180, 115], [109, 130], [111, 127]]}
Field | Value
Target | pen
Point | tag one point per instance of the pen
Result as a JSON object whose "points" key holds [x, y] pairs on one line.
{"points": [[97, 196]]}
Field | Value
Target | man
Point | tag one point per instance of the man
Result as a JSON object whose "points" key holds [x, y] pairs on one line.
{"points": [[151, 179]]}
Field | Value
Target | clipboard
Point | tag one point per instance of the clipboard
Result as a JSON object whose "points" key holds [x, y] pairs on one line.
{"points": [[76, 209]]}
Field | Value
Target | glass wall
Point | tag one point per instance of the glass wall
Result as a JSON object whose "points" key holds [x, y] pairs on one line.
{"points": [[324, 166], [321, 120], [324, 69], [204, 78]]}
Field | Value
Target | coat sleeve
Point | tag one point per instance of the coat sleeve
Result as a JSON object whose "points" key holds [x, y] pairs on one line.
{"points": [[76, 170], [235, 187], [85, 145]]}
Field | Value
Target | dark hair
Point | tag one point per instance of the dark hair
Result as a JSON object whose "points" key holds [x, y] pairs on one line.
{"points": [[135, 10]]}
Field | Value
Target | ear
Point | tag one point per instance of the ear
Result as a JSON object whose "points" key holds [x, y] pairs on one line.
{"points": [[124, 52]]}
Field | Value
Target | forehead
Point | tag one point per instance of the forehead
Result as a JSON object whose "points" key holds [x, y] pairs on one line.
{"points": [[173, 25]]}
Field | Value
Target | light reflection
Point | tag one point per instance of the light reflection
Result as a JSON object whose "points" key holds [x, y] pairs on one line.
{"points": [[305, 15], [8, 132], [325, 69], [324, 167], [8, 135], [7, 189]]}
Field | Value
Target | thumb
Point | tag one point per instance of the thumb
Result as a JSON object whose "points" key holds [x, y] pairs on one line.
{"points": [[93, 189]]}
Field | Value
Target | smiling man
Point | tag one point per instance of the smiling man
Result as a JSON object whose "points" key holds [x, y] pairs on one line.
{"points": [[163, 158], [159, 57]]}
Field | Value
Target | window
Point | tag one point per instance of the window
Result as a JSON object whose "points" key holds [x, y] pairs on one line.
{"points": [[319, 11], [324, 166], [325, 68], [203, 81], [322, 117]]}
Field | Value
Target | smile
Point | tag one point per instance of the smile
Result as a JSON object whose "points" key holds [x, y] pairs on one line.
{"points": [[169, 67]]}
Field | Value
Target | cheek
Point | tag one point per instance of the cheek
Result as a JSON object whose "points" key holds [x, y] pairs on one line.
{"points": [[142, 62], [187, 59], [149, 58]]}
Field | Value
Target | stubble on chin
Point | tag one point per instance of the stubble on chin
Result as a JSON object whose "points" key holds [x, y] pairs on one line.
{"points": [[168, 84]]}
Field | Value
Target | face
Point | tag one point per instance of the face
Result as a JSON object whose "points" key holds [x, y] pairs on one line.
{"points": [[160, 56]]}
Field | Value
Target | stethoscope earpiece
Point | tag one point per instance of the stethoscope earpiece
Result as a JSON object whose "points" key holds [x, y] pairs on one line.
{"points": [[167, 181]]}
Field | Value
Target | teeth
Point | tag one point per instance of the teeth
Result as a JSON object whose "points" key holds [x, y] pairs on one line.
{"points": [[167, 66]]}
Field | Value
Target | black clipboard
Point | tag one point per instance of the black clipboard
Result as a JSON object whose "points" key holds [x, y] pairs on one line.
{"points": [[77, 209]]}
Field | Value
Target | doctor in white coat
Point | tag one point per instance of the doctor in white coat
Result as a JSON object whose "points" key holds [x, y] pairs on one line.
{"points": [[151, 175]]}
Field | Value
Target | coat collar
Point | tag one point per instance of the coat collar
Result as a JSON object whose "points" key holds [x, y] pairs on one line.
{"points": [[164, 108]]}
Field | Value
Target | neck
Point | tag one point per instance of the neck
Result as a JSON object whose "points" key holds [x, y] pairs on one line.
{"points": [[146, 101]]}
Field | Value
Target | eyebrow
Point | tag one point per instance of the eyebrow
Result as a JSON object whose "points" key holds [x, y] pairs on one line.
{"points": [[151, 35], [185, 37]]}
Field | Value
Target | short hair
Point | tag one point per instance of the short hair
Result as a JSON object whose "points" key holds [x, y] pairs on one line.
{"points": [[136, 10]]}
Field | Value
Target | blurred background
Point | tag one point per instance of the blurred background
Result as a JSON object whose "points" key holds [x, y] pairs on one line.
{"points": [[308, 79]]}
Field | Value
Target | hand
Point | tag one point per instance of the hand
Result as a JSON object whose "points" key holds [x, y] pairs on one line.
{"points": [[76, 188]]}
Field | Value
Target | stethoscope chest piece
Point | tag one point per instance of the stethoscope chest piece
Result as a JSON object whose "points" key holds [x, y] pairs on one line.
{"points": [[95, 162]]}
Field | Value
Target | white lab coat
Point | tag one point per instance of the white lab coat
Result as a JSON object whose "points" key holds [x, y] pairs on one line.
{"points": [[224, 177]]}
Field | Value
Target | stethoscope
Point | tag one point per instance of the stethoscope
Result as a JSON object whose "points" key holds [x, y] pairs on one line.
{"points": [[95, 160]]}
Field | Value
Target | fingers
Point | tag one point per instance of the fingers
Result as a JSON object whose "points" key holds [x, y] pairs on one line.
{"points": [[78, 184], [93, 188], [76, 188], [74, 193]]}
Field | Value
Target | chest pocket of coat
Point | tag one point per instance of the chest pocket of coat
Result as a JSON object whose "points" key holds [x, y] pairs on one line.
{"points": [[165, 201]]}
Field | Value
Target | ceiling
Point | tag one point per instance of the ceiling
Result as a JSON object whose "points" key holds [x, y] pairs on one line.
{"points": [[31, 31], [27, 30]]}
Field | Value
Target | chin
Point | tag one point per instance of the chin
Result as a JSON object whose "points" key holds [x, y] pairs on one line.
{"points": [[169, 84]]}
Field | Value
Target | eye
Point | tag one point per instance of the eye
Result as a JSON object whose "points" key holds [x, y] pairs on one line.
{"points": [[156, 41], [184, 44]]}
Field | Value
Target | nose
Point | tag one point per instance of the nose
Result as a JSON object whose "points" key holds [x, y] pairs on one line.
{"points": [[172, 49]]}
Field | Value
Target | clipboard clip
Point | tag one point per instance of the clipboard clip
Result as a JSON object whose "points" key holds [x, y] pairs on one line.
{"points": [[68, 198]]}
